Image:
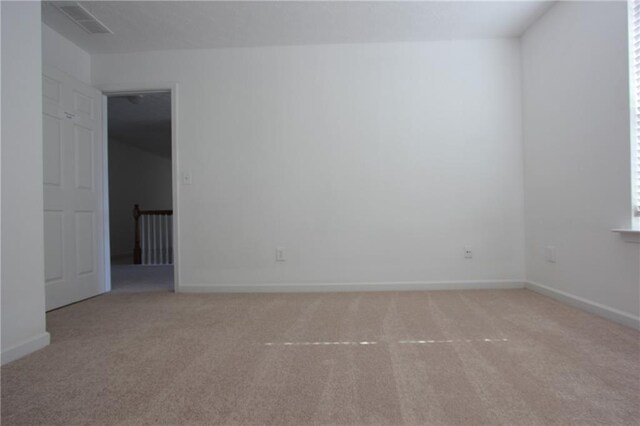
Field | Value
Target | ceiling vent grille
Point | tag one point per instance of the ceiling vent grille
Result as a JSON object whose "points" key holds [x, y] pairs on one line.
{"points": [[82, 17]]}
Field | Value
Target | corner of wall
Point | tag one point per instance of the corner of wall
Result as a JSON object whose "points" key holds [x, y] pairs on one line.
{"points": [[25, 348], [23, 307], [572, 56]]}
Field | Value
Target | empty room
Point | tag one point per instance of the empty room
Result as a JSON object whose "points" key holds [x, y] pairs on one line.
{"points": [[320, 212]]}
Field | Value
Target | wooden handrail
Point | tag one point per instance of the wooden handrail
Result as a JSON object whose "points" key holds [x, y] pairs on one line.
{"points": [[137, 213], [155, 212]]}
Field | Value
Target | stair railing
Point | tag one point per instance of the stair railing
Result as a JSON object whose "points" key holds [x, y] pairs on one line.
{"points": [[153, 242]]}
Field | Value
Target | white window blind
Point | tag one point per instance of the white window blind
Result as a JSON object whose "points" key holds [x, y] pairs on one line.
{"points": [[634, 14]]}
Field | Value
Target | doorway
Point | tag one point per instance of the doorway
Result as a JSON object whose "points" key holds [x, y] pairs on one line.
{"points": [[139, 133]]}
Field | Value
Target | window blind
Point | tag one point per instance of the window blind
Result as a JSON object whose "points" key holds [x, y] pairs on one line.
{"points": [[635, 101]]}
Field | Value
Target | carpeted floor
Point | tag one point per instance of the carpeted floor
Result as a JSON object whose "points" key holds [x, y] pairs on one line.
{"points": [[496, 357], [127, 278]]}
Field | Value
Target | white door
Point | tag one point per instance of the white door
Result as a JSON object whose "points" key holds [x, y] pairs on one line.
{"points": [[73, 202]]}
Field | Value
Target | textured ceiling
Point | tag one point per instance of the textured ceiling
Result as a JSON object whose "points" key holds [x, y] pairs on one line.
{"points": [[145, 125], [152, 25]]}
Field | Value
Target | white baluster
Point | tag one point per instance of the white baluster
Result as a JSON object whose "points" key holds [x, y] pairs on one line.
{"points": [[166, 239], [146, 236], [156, 221], [163, 234], [142, 234], [149, 240], [160, 239], [143, 238], [155, 240], [163, 224], [152, 218], [170, 237]]}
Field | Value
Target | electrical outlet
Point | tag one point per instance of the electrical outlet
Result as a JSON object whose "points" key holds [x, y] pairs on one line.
{"points": [[280, 254], [187, 179], [551, 254], [468, 253]]}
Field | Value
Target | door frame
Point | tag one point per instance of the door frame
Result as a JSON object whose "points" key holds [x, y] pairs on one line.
{"points": [[137, 88]]}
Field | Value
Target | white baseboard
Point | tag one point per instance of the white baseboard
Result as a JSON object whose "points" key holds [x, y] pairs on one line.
{"points": [[25, 348], [349, 287], [586, 305]]}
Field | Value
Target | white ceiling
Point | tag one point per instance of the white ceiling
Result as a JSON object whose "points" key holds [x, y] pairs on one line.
{"points": [[145, 125], [162, 25]]}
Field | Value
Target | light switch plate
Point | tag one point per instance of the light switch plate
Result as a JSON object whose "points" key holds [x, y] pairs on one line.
{"points": [[551, 254]]}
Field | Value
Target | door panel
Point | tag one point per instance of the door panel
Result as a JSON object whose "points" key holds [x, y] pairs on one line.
{"points": [[52, 150], [85, 242], [83, 157], [83, 106], [73, 199], [51, 89], [53, 241]]}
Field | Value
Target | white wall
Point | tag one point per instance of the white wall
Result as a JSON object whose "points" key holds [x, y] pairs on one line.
{"points": [[368, 163], [60, 53], [577, 154], [23, 319], [135, 177]]}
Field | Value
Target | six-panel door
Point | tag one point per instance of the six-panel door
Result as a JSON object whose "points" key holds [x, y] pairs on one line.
{"points": [[73, 195]]}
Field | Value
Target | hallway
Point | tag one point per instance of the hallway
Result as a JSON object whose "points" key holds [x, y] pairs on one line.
{"points": [[127, 278]]}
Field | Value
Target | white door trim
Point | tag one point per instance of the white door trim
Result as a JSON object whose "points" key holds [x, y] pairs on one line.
{"points": [[105, 196], [172, 87]]}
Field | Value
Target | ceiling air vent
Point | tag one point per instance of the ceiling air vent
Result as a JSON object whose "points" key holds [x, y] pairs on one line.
{"points": [[82, 17]]}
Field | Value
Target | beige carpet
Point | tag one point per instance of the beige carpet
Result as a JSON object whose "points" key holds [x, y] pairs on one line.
{"points": [[495, 357]]}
